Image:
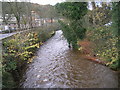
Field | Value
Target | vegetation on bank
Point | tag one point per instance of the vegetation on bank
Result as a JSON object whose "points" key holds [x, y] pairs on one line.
{"points": [[104, 33], [73, 30], [99, 25], [78, 24], [19, 50]]}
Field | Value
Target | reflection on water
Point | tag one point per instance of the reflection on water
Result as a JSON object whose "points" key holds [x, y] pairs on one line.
{"points": [[57, 66]]}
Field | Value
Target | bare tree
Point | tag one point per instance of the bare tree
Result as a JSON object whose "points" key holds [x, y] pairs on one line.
{"points": [[6, 12], [19, 9]]}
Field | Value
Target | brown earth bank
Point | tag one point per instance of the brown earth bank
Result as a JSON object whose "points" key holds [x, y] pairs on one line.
{"points": [[88, 51]]}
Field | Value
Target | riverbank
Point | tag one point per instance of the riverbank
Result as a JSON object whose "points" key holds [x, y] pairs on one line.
{"points": [[58, 66], [90, 52], [18, 50]]}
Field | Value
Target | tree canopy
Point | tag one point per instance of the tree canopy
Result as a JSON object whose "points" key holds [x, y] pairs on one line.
{"points": [[73, 12]]}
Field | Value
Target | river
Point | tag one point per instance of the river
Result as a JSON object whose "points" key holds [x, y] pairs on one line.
{"points": [[57, 66]]}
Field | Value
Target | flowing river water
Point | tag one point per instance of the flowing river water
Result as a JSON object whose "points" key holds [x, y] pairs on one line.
{"points": [[57, 66]]}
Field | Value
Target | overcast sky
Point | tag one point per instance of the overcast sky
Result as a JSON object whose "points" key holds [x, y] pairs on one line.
{"points": [[43, 2]]}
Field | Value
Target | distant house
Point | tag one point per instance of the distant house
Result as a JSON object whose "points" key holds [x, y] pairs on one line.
{"points": [[12, 21], [36, 21]]}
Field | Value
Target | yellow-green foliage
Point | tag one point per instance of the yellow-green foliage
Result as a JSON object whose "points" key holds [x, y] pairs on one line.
{"points": [[20, 49], [106, 45]]}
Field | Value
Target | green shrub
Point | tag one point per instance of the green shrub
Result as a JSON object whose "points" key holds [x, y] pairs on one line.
{"points": [[73, 12]]}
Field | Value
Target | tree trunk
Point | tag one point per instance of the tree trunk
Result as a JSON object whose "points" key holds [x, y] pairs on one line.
{"points": [[18, 23]]}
